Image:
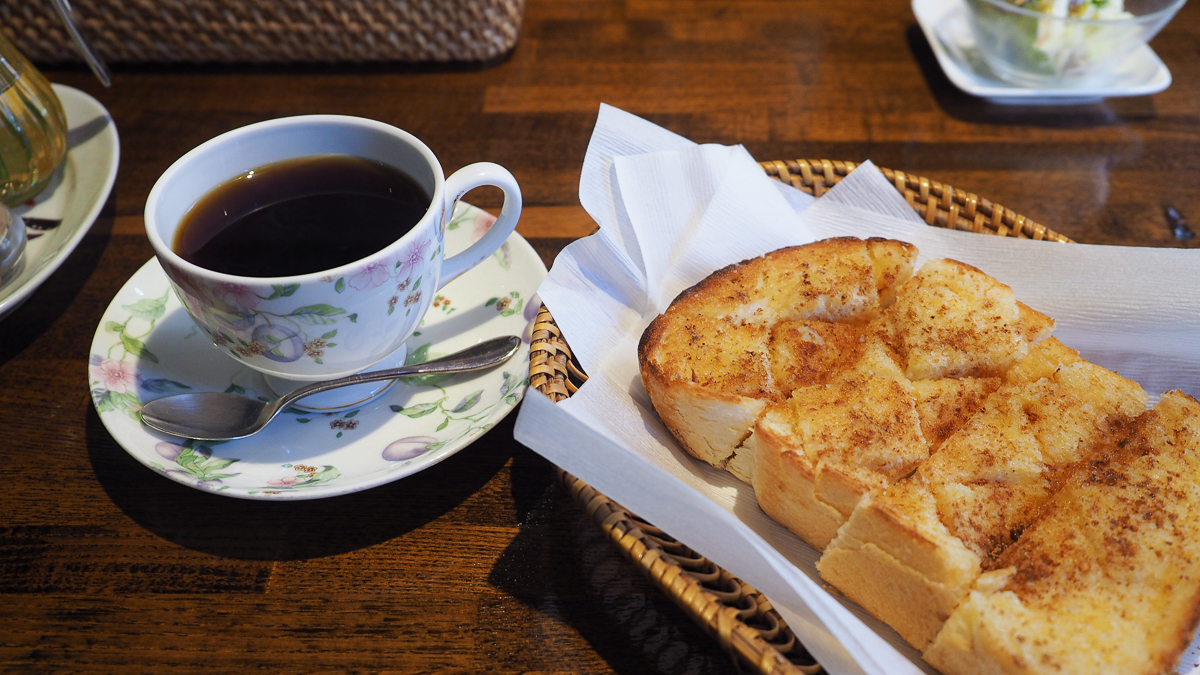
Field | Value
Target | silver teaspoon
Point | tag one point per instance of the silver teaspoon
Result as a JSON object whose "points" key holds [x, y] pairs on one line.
{"points": [[217, 416]]}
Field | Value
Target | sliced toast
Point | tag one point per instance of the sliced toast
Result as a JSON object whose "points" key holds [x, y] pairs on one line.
{"points": [[978, 491], [1107, 580]]}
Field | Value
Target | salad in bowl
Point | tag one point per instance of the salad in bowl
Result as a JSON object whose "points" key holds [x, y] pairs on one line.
{"points": [[1051, 43]]}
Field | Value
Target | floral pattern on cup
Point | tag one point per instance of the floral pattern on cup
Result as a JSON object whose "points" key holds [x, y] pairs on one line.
{"points": [[267, 321]]}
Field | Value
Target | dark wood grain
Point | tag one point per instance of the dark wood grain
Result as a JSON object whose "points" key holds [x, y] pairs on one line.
{"points": [[481, 562]]}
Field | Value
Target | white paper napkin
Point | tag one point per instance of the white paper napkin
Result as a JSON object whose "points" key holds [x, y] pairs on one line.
{"points": [[670, 212]]}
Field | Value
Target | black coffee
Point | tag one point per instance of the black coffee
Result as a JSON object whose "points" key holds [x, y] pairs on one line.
{"points": [[301, 215]]}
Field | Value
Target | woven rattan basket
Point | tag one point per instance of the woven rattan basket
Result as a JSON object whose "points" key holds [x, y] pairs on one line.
{"points": [[740, 618], [270, 31]]}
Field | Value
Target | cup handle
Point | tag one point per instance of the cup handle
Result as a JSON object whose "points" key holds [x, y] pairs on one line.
{"points": [[457, 185]]}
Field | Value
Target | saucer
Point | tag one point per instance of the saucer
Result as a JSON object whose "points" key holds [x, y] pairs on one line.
{"points": [[147, 346], [948, 30], [59, 217]]}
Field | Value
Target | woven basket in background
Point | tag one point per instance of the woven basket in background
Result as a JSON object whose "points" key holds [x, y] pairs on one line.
{"points": [[739, 618], [270, 31]]}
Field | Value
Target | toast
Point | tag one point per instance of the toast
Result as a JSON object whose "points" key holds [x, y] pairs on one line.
{"points": [[1107, 580], [978, 492]]}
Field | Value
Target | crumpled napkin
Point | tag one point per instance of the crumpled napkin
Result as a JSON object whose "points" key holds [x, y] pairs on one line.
{"points": [[670, 212]]}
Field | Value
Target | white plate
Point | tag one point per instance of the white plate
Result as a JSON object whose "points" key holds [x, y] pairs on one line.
{"points": [[79, 189], [147, 346], [948, 31]]}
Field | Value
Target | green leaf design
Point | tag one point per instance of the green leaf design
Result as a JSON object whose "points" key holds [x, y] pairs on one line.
{"points": [[350, 414], [417, 283], [281, 291], [418, 410], [303, 420], [149, 309], [340, 285], [510, 399], [353, 317], [418, 355], [316, 315], [324, 475], [103, 402], [468, 402], [216, 463], [491, 302], [329, 334], [114, 327], [445, 423], [421, 355], [508, 312], [235, 389], [137, 348], [127, 401], [391, 308]]}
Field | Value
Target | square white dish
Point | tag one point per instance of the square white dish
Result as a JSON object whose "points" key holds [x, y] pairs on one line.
{"points": [[948, 30]]}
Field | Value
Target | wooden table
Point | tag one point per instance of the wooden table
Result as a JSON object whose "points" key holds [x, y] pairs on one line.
{"points": [[482, 562]]}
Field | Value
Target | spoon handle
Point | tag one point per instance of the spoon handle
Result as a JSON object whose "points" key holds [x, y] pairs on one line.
{"points": [[482, 355]]}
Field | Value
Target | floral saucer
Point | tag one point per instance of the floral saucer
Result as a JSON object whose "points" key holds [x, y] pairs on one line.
{"points": [[58, 218], [147, 346]]}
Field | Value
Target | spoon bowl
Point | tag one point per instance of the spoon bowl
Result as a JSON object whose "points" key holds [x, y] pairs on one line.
{"points": [[218, 416]]}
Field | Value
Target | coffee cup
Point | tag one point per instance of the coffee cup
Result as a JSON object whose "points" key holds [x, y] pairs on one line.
{"points": [[332, 322]]}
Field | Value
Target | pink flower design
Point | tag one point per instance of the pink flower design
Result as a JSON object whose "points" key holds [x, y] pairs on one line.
{"points": [[480, 226], [115, 376], [374, 274], [235, 297], [286, 481], [413, 258]]}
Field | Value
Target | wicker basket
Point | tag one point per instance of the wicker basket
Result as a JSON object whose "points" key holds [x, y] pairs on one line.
{"points": [[270, 31], [740, 618]]}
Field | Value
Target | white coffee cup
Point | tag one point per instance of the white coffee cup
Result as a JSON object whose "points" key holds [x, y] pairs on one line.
{"points": [[338, 321]]}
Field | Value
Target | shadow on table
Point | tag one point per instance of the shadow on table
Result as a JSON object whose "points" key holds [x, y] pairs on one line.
{"points": [[574, 584], [964, 107], [56, 294], [294, 530]]}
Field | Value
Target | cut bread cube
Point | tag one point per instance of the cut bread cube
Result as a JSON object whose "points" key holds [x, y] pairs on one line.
{"points": [[945, 405], [811, 352], [1108, 578], [828, 445], [896, 559], [952, 320], [984, 485]]}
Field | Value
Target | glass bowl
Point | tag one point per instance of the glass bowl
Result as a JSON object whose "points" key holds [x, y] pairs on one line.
{"points": [[1041, 49]]}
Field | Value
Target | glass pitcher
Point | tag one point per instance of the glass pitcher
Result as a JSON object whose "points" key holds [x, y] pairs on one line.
{"points": [[33, 127]]}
